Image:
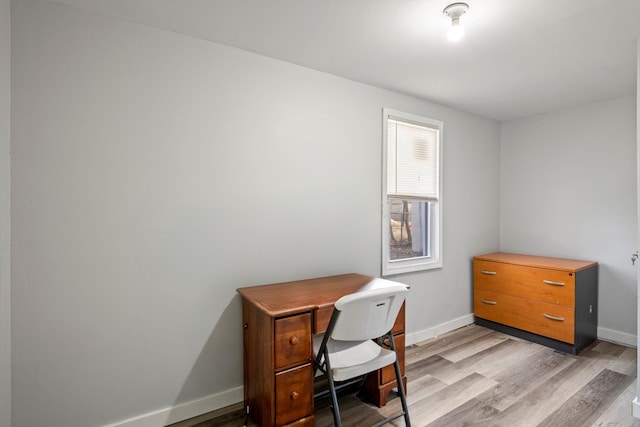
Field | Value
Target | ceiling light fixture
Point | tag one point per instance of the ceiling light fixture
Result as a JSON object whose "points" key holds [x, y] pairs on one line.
{"points": [[455, 11]]}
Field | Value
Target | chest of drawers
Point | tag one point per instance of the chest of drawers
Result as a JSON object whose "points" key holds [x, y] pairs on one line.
{"points": [[552, 301]]}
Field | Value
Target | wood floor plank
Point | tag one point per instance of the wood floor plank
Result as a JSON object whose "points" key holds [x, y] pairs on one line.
{"points": [[423, 387], [417, 390], [459, 337], [518, 351], [609, 348], [625, 363], [424, 367], [352, 411], [471, 413], [479, 362], [437, 404], [588, 404], [536, 405], [618, 412], [461, 352], [523, 377]]}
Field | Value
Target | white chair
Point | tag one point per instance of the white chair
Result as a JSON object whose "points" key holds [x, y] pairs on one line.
{"points": [[352, 345]]}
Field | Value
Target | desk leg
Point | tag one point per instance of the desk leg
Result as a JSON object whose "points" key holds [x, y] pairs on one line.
{"points": [[379, 384], [378, 393]]}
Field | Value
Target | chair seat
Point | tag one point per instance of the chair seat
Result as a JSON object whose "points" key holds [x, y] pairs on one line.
{"points": [[350, 359], [352, 345]]}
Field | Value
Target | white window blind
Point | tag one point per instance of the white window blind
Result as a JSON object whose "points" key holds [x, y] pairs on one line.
{"points": [[412, 160]]}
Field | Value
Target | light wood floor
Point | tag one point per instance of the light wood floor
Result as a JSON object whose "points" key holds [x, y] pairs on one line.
{"points": [[478, 377]]}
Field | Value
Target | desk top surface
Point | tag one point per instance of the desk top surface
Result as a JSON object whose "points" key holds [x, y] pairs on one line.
{"points": [[280, 299]]}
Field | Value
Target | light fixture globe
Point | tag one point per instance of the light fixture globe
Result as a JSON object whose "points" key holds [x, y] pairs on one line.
{"points": [[455, 11]]}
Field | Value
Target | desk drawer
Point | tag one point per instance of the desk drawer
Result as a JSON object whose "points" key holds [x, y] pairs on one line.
{"points": [[293, 340], [294, 394], [323, 315], [549, 320], [321, 319], [552, 286], [398, 326]]}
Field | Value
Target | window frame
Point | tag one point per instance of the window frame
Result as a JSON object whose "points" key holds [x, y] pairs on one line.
{"points": [[434, 261]]}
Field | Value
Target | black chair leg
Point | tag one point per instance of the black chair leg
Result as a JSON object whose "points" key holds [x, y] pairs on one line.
{"points": [[403, 396], [334, 396]]}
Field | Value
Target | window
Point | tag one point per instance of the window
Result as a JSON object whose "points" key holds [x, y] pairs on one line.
{"points": [[411, 193]]}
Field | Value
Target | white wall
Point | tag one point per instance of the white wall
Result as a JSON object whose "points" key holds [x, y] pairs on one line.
{"points": [[5, 226], [568, 189], [153, 174]]}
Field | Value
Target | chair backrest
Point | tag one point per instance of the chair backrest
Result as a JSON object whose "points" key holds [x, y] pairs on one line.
{"points": [[368, 314]]}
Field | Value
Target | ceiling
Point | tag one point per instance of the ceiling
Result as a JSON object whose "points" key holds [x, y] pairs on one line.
{"points": [[518, 57]]}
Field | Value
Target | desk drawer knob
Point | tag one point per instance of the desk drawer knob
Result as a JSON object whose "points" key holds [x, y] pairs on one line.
{"points": [[294, 395], [293, 340], [488, 273], [486, 301], [548, 316]]}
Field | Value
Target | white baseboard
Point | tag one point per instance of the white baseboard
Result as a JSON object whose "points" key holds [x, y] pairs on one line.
{"points": [[184, 411], [213, 402], [618, 337], [440, 329], [636, 408]]}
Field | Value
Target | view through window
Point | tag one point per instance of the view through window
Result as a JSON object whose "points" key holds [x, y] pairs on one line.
{"points": [[408, 221]]}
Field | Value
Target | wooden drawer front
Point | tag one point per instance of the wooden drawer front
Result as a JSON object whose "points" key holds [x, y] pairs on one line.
{"points": [[552, 286], [323, 315], [321, 319], [293, 340], [398, 326], [294, 394], [549, 320], [388, 372]]}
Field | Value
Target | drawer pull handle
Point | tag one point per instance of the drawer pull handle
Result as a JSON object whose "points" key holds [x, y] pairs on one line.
{"points": [[489, 273], [549, 282], [293, 340], [486, 301], [548, 316], [294, 395]]}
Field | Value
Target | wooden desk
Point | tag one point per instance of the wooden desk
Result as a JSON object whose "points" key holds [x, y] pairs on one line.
{"points": [[279, 322]]}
